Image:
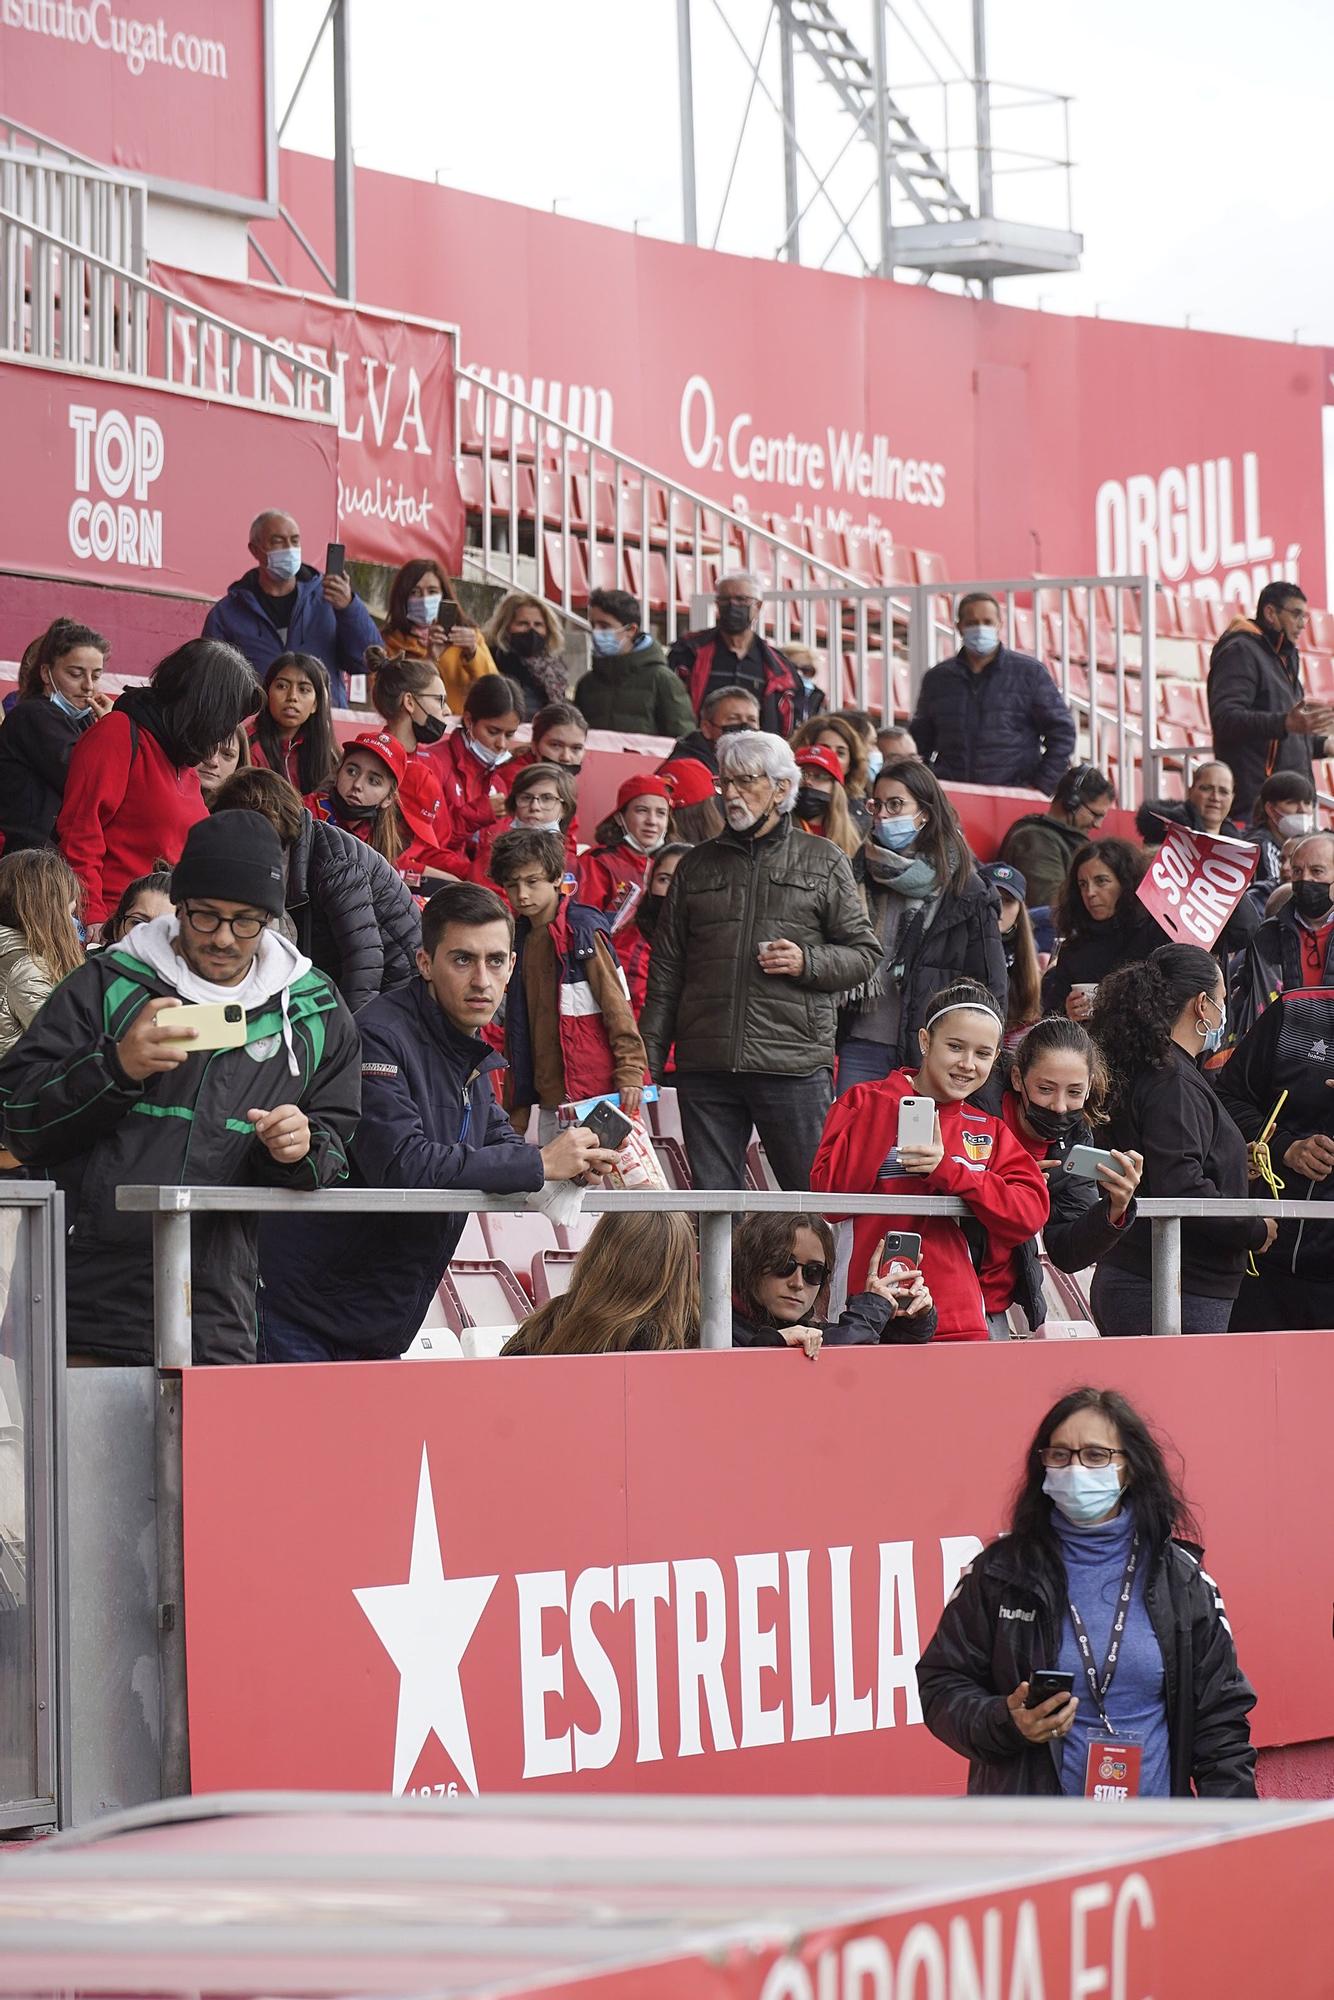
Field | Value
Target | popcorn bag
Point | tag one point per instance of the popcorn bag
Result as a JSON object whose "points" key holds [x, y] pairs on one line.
{"points": [[638, 1168]]}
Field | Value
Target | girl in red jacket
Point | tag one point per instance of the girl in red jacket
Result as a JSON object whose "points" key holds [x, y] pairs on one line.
{"points": [[468, 760], [293, 733], [411, 697], [614, 875], [132, 793], [972, 1155]]}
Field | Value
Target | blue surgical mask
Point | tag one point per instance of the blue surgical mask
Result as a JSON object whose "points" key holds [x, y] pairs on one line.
{"points": [[1083, 1493], [1213, 1039], [424, 610], [605, 642], [895, 834], [67, 707], [981, 638], [282, 564], [874, 764]]}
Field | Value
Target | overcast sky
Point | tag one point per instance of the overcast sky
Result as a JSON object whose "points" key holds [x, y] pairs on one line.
{"points": [[1200, 131]]}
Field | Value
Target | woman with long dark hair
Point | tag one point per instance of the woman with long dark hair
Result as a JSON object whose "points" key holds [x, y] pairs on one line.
{"points": [[937, 920], [1153, 1022], [423, 623], [133, 791], [1099, 1577], [293, 733], [782, 1266], [1101, 924], [59, 698]]}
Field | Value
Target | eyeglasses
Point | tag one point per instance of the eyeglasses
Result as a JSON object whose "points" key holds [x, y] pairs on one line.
{"points": [[742, 784], [544, 799], [813, 1273], [889, 808], [207, 922], [1094, 1456]]}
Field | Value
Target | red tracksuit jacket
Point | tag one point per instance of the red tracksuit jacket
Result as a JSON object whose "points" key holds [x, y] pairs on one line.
{"points": [[984, 1164], [604, 875], [126, 804]]}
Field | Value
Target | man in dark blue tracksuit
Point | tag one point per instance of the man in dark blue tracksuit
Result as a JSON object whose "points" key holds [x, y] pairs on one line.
{"points": [[358, 1287], [989, 715]]}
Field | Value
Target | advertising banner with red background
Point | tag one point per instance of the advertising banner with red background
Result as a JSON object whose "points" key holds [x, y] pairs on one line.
{"points": [[1195, 882], [112, 482], [1011, 441], [175, 92], [393, 397], [707, 1573]]}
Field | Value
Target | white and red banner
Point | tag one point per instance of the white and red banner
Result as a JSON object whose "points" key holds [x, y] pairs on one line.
{"points": [[393, 398], [175, 90], [117, 483], [707, 1573], [1195, 881]]}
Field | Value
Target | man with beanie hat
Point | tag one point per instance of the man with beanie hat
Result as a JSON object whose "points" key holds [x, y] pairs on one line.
{"points": [[102, 1093]]}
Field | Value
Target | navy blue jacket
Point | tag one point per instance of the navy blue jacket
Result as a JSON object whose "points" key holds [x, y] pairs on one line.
{"points": [[338, 638], [1004, 726], [429, 1119]]}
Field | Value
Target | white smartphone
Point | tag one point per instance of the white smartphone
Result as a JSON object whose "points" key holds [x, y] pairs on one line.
{"points": [[917, 1122], [218, 1024], [1085, 1161]]}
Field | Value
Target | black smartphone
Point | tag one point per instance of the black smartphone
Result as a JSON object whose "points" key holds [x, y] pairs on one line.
{"points": [[1044, 1682], [335, 559], [902, 1246], [611, 1127]]}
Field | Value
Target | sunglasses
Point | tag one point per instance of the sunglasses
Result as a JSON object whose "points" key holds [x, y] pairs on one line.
{"points": [[814, 1273]]}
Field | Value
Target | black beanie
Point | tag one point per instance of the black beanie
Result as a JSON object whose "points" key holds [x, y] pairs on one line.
{"points": [[232, 857]]}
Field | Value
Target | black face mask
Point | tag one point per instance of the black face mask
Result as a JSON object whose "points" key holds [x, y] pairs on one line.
{"points": [[810, 803], [527, 645], [735, 728], [1312, 900], [352, 815], [733, 615], [428, 728], [1048, 1124], [648, 913]]}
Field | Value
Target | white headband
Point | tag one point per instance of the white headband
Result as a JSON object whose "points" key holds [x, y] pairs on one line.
{"points": [[966, 1007]]}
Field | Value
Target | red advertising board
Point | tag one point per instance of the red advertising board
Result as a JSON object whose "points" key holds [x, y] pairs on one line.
{"points": [[1195, 881], [393, 398], [177, 92], [116, 486], [1012, 441], [706, 1573]]}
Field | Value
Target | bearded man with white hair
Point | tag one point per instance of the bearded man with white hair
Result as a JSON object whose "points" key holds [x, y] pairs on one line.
{"points": [[762, 934]]}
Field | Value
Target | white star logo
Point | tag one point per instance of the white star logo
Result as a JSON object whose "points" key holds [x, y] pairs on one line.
{"points": [[425, 1625]]}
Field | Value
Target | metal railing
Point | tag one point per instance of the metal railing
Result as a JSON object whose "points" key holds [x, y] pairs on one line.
{"points": [[63, 305], [104, 213], [172, 1207], [629, 511]]}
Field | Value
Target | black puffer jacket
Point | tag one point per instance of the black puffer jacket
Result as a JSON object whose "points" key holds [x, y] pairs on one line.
{"points": [[866, 1321], [1006, 725], [1253, 686], [706, 991], [1001, 1623], [354, 917], [962, 941], [1077, 1232]]}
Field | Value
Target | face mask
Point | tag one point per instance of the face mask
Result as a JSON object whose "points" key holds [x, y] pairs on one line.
{"points": [[527, 645], [606, 643], [424, 610], [542, 825], [355, 815], [1049, 1124], [875, 760], [895, 834], [808, 682], [66, 706], [282, 564], [742, 820], [811, 804], [1311, 900], [81, 930], [1291, 824], [1083, 1492], [428, 728], [733, 615], [981, 638], [480, 751], [1213, 1037], [638, 847]]}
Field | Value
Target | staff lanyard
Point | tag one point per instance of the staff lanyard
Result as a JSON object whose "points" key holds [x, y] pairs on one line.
{"points": [[1098, 1687]]}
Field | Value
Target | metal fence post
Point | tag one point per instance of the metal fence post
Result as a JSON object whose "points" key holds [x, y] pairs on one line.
{"points": [[172, 1309], [1166, 1280], [715, 1279]]}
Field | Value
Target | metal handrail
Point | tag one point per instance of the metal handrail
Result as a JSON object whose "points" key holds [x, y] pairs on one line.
{"points": [[172, 1207], [104, 213], [128, 325]]}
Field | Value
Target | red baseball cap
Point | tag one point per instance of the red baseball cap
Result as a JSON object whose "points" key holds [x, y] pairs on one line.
{"points": [[689, 781], [386, 747], [649, 787], [818, 757]]}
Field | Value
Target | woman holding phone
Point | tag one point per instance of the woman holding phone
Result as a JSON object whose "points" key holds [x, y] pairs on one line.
{"points": [[1053, 1104], [916, 1133], [1093, 1583], [781, 1270]]}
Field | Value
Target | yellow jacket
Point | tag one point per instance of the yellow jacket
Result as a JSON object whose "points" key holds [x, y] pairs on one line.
{"points": [[457, 673]]}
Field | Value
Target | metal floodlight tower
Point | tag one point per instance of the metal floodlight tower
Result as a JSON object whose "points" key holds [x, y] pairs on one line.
{"points": [[934, 217]]}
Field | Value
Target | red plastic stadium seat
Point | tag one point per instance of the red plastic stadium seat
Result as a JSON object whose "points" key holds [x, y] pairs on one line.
{"points": [[1025, 636], [515, 1239], [827, 545], [470, 430], [1318, 673], [1320, 631], [657, 576], [524, 488], [1184, 702], [931, 568], [1167, 612], [482, 1294], [470, 483], [895, 563], [1194, 619]]}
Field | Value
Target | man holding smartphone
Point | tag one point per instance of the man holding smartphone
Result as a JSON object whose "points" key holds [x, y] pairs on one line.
{"points": [[284, 605], [107, 1088]]}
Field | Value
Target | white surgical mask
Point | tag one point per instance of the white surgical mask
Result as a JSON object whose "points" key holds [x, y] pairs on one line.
{"points": [[483, 755], [424, 610], [981, 638], [1291, 824], [1083, 1493], [283, 564]]}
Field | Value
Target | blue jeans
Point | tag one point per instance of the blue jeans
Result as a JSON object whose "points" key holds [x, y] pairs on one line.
{"points": [[279, 1340], [863, 1062]]}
